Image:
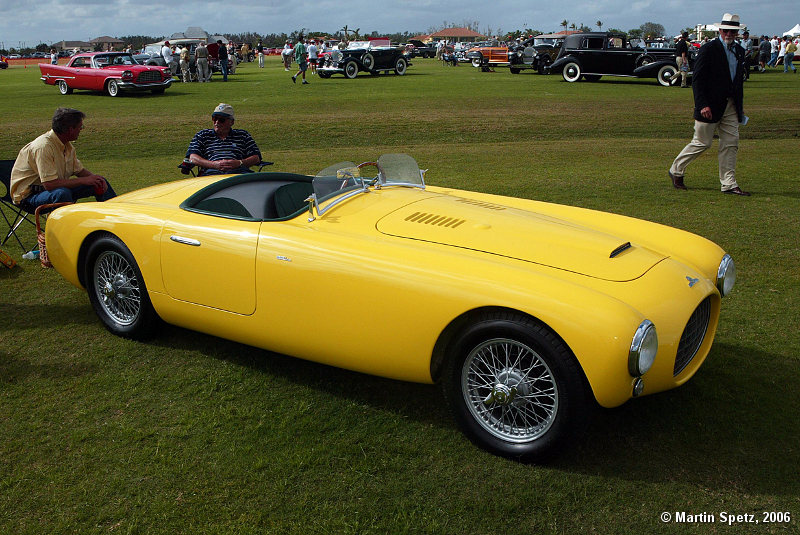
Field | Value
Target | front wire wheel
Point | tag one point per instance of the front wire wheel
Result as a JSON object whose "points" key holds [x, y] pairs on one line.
{"points": [[509, 390], [514, 387]]}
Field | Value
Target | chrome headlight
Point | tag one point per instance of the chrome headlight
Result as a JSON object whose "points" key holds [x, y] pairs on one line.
{"points": [[726, 275], [643, 349]]}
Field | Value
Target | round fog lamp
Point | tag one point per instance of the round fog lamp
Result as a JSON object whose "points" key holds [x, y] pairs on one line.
{"points": [[638, 387], [643, 349]]}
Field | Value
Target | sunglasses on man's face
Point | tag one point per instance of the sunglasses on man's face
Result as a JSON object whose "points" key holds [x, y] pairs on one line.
{"points": [[218, 118], [729, 31]]}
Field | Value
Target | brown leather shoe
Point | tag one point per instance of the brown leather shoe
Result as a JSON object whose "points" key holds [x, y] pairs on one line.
{"points": [[737, 191], [677, 181]]}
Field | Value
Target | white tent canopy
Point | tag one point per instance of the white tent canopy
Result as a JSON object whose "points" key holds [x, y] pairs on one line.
{"points": [[794, 31]]}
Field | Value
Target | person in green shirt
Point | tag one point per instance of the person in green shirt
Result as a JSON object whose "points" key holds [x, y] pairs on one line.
{"points": [[300, 58]]}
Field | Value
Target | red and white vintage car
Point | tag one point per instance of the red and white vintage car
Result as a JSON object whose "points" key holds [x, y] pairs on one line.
{"points": [[112, 72]]}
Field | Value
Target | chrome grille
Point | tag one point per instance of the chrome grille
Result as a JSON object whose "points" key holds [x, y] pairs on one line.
{"points": [[693, 335], [147, 77]]}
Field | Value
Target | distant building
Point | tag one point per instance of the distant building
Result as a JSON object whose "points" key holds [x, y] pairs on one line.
{"points": [[107, 43], [73, 45], [457, 35]]}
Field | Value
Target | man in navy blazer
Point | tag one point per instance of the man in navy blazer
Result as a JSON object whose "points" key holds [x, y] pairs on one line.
{"points": [[717, 83]]}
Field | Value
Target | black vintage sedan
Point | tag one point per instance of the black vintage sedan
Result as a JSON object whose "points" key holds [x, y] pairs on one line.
{"points": [[362, 56], [532, 54], [594, 54]]}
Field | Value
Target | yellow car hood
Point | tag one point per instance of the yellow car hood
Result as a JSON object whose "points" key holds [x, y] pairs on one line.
{"points": [[520, 234]]}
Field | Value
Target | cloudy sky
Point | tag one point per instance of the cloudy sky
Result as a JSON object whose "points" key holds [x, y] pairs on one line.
{"points": [[27, 23]]}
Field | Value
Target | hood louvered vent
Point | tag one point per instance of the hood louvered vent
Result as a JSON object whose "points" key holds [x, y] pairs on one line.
{"points": [[482, 204], [434, 219]]}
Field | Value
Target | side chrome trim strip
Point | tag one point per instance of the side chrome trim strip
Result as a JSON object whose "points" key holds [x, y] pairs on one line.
{"points": [[185, 241]]}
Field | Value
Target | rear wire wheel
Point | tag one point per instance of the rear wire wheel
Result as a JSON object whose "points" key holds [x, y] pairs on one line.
{"points": [[117, 291]]}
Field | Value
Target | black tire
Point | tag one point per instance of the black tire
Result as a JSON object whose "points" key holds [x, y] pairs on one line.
{"points": [[514, 387], [117, 290], [666, 75], [350, 70], [592, 77], [514, 70], [368, 60], [112, 88], [324, 74], [477, 62], [63, 88], [644, 59], [572, 72], [400, 66], [544, 63]]}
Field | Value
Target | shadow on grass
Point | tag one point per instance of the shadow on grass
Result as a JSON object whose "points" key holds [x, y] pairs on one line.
{"points": [[37, 315], [730, 426], [10, 273], [14, 369], [421, 402]]}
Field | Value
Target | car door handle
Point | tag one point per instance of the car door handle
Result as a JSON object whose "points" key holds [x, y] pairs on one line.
{"points": [[185, 241]]}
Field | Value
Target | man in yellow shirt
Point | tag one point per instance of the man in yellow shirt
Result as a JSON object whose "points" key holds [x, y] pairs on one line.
{"points": [[42, 171]]}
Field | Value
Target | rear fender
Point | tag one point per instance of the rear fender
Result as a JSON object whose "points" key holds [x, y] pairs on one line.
{"points": [[651, 69]]}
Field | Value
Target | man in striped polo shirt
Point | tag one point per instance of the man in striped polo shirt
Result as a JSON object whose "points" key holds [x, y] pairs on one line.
{"points": [[223, 150]]}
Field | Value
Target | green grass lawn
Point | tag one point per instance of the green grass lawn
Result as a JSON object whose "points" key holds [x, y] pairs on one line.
{"points": [[193, 434]]}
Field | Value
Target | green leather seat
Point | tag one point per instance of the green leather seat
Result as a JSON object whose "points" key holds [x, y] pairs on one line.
{"points": [[223, 206], [291, 198]]}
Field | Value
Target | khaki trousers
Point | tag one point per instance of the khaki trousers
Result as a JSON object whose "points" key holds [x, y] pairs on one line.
{"points": [[679, 60], [728, 130]]}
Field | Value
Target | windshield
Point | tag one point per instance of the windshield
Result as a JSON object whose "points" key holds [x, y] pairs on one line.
{"points": [[336, 183], [355, 45], [399, 170], [343, 180]]}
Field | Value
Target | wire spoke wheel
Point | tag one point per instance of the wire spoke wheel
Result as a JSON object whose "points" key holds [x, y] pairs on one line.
{"points": [[509, 390], [117, 288]]}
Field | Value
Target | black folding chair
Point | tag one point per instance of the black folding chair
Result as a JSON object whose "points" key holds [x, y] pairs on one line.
{"points": [[18, 215], [188, 168]]}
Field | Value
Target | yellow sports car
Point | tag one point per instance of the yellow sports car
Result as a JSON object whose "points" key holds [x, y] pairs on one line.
{"points": [[526, 312]]}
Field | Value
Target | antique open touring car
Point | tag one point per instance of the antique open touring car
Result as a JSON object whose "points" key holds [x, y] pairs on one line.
{"points": [[361, 56], [526, 312]]}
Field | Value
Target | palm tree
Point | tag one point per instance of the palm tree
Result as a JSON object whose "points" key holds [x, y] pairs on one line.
{"points": [[599, 25], [565, 23], [572, 26]]}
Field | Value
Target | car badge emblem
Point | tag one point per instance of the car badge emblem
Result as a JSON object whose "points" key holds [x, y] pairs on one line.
{"points": [[692, 281]]}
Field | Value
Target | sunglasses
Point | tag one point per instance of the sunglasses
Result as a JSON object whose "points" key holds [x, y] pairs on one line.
{"points": [[729, 31], [221, 119]]}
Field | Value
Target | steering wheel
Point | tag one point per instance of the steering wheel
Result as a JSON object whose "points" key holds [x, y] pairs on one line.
{"points": [[374, 180]]}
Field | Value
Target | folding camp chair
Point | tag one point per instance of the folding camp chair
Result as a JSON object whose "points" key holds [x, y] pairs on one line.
{"points": [[18, 215], [188, 168]]}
